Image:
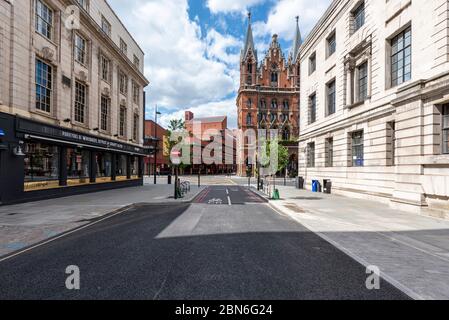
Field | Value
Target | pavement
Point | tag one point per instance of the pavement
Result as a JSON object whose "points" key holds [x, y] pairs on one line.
{"points": [[227, 244], [411, 250], [23, 225]]}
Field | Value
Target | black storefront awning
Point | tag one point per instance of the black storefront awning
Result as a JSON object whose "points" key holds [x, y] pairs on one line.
{"points": [[37, 130]]}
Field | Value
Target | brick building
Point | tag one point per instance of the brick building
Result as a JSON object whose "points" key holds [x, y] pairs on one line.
{"points": [[154, 137], [220, 126], [268, 97], [71, 100]]}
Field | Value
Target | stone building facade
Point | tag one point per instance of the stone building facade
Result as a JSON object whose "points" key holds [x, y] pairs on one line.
{"points": [[374, 99], [71, 99], [268, 97]]}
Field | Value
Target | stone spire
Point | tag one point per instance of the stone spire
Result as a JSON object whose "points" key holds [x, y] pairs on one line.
{"points": [[297, 42], [249, 42]]}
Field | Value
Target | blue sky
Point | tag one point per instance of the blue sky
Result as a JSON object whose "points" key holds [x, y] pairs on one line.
{"points": [[192, 47]]}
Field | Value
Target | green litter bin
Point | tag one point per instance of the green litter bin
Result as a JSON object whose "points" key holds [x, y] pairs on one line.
{"points": [[276, 195]]}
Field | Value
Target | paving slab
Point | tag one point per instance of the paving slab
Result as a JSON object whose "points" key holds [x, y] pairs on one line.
{"points": [[411, 250]]}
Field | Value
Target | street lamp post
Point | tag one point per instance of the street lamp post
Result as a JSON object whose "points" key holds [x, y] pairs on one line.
{"points": [[156, 113], [257, 158]]}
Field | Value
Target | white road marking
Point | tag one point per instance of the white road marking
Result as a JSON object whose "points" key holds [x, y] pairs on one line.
{"points": [[229, 201], [227, 191]]}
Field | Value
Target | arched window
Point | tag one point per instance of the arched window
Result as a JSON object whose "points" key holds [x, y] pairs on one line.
{"points": [[273, 117], [274, 104], [249, 68], [249, 119], [263, 104], [249, 103], [274, 78], [286, 106]]}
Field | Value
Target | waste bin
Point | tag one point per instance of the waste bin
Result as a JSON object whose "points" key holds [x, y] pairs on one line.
{"points": [[316, 187], [299, 183], [169, 179], [327, 186]]}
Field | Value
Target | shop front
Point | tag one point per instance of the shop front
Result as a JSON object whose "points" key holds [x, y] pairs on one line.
{"points": [[40, 161]]}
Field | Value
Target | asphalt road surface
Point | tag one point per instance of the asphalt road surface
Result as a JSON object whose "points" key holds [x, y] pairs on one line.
{"points": [[228, 244]]}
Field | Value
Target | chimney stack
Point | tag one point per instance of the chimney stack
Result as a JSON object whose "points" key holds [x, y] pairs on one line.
{"points": [[188, 116]]}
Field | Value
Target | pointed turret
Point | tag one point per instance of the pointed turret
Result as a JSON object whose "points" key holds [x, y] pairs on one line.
{"points": [[249, 42], [297, 42]]}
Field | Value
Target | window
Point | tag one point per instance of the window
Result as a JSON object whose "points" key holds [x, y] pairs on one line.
{"points": [[104, 165], [122, 121], [41, 162], [311, 155], [286, 105], [391, 143], [273, 117], [249, 103], [135, 127], [136, 62], [123, 83], [329, 152], [123, 47], [104, 113], [80, 49], [249, 119], [312, 63], [274, 79], [249, 68], [362, 82], [80, 101], [312, 108], [77, 165], [105, 26], [121, 166], [263, 104], [330, 88], [331, 44], [359, 16], [83, 4], [285, 134], [284, 117], [401, 57], [357, 149], [105, 68], [136, 93], [44, 80], [445, 127], [44, 19], [274, 104], [134, 166]]}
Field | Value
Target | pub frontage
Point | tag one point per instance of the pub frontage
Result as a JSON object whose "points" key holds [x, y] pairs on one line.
{"points": [[40, 161]]}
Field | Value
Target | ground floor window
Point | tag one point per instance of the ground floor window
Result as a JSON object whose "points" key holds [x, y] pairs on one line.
{"points": [[357, 149], [41, 163], [121, 167], [311, 155], [445, 127], [329, 152], [134, 167], [77, 166], [104, 166]]}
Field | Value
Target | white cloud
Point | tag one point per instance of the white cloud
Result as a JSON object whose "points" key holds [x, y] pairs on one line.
{"points": [[231, 6], [281, 18], [184, 72], [225, 107], [219, 47]]}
